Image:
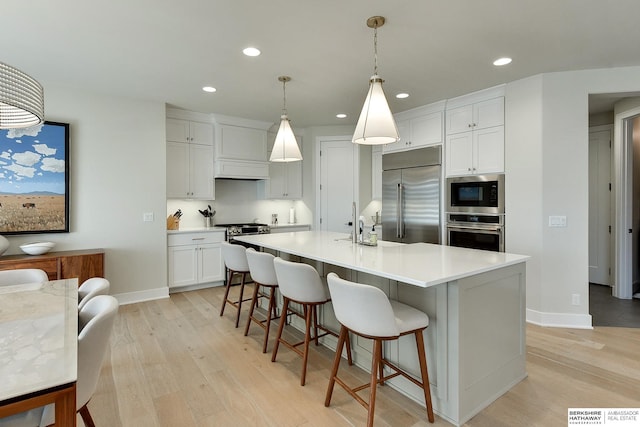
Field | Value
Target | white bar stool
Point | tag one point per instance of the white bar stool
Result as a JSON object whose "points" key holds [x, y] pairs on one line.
{"points": [[300, 283], [366, 311], [235, 259], [264, 275]]}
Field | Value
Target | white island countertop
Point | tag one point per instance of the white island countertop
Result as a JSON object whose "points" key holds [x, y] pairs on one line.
{"points": [[419, 264]]}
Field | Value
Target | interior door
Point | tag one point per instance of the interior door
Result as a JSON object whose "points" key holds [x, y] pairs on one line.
{"points": [[336, 185], [600, 207]]}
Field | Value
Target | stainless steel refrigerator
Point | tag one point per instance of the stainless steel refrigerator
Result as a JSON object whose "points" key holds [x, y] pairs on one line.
{"points": [[411, 195]]}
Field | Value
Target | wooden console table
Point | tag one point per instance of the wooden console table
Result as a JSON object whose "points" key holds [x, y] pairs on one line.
{"points": [[81, 264]]}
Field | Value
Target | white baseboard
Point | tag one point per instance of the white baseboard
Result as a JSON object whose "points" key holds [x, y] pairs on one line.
{"points": [[559, 320], [140, 296]]}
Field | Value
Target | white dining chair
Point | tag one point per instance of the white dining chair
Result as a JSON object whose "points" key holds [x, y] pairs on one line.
{"points": [[90, 288], [95, 323], [367, 312], [22, 276]]}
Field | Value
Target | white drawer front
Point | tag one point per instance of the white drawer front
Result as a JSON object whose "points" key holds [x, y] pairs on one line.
{"points": [[182, 239]]}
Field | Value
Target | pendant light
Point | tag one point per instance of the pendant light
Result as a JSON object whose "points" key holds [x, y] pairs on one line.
{"points": [[21, 99], [285, 148], [376, 124]]}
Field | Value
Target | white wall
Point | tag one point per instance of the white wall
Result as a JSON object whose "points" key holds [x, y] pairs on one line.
{"points": [[117, 172], [559, 185]]}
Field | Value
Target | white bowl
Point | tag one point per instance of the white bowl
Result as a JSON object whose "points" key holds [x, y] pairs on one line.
{"points": [[37, 248]]}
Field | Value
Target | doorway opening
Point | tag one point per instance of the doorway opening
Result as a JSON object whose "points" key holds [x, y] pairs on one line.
{"points": [[611, 301]]}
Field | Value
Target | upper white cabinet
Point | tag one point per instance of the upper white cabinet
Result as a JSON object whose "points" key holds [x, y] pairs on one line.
{"points": [[189, 159], [480, 115], [475, 133], [189, 132], [418, 128], [241, 148], [240, 143], [285, 178]]}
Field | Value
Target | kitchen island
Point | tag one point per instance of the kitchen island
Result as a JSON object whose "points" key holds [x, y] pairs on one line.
{"points": [[475, 300]]}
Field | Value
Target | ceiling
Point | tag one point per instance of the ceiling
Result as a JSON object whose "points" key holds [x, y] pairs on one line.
{"points": [[167, 51]]}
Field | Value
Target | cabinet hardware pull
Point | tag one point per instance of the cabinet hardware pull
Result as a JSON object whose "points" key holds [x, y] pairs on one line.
{"points": [[198, 238]]}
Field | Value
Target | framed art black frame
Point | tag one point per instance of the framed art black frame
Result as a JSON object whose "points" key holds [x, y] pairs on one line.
{"points": [[34, 179]]}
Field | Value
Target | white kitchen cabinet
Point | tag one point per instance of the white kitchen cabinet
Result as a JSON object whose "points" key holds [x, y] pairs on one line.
{"points": [[241, 143], [476, 152], [417, 132], [285, 180], [190, 171], [189, 159], [376, 172], [189, 132], [475, 133], [479, 115], [195, 258]]}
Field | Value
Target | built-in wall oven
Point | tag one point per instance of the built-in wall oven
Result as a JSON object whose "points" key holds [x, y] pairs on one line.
{"points": [[475, 212], [476, 231]]}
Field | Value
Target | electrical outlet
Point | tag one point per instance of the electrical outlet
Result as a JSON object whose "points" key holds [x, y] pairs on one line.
{"points": [[575, 299], [147, 217]]}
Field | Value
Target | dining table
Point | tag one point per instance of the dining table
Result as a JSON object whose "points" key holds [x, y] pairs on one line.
{"points": [[39, 348]]}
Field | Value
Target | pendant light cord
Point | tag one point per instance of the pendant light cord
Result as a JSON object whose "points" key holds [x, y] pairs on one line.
{"points": [[284, 97], [375, 50]]}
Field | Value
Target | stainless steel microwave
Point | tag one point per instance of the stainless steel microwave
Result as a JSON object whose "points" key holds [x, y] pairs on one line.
{"points": [[483, 194]]}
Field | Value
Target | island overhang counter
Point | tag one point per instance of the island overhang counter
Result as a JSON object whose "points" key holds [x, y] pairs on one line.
{"points": [[475, 300]]}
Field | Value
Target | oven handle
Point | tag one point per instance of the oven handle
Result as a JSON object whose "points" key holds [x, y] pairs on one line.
{"points": [[479, 229]]}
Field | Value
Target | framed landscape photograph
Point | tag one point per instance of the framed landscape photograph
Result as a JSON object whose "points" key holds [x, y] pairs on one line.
{"points": [[34, 179]]}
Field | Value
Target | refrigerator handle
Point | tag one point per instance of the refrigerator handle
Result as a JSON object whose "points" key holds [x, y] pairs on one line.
{"points": [[400, 212]]}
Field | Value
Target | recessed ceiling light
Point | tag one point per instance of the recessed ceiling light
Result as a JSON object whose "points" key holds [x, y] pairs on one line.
{"points": [[402, 95], [251, 51], [341, 115], [209, 89], [502, 61]]}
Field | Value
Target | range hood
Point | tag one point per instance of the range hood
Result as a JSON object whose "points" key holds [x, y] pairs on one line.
{"points": [[241, 169]]}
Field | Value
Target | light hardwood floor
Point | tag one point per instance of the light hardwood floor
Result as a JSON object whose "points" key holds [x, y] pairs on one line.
{"points": [[175, 362]]}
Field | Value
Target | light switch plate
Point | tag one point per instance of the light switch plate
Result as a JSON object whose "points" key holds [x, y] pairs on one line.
{"points": [[147, 217], [557, 221]]}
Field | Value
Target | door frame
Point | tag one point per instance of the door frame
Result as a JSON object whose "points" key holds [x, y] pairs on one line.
{"points": [[612, 210], [318, 178], [623, 165]]}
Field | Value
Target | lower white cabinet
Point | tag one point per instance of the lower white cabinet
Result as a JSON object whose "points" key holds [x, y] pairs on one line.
{"points": [[195, 258]]}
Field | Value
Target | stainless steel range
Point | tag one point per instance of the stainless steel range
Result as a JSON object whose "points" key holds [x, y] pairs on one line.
{"points": [[244, 229]]}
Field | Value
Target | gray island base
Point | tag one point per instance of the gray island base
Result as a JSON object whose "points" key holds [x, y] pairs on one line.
{"points": [[475, 300]]}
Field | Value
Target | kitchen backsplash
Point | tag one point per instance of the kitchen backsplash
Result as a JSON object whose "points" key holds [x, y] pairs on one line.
{"points": [[237, 201]]}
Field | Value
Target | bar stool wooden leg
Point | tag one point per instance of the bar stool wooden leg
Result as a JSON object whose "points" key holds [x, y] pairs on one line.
{"points": [[226, 292], [344, 334], [283, 320], [240, 298], [422, 358], [254, 303], [309, 314], [271, 314], [376, 362]]}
